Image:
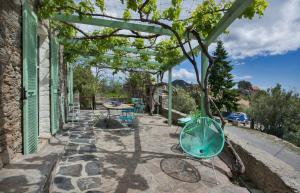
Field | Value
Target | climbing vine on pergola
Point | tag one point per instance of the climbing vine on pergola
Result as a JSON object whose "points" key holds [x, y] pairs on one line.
{"points": [[145, 25]]}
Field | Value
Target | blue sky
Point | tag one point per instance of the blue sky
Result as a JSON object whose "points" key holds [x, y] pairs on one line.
{"points": [[264, 51], [263, 71]]}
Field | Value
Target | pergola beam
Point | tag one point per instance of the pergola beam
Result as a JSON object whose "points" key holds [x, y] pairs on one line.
{"points": [[122, 48], [105, 22], [126, 59], [135, 50], [123, 68]]}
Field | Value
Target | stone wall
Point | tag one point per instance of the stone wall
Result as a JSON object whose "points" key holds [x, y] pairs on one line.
{"points": [[10, 80], [267, 172], [175, 114]]}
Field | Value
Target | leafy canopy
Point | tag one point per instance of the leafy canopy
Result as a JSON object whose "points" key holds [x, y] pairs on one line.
{"points": [[203, 18]]}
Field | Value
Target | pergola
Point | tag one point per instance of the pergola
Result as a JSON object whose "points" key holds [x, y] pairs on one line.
{"points": [[237, 8]]}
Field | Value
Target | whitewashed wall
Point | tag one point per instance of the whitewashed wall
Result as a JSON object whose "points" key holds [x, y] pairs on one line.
{"points": [[44, 83]]}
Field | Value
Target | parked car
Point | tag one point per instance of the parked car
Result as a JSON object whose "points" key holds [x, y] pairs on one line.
{"points": [[237, 116]]}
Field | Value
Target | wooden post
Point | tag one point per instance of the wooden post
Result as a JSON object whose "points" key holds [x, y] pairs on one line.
{"points": [[170, 97]]}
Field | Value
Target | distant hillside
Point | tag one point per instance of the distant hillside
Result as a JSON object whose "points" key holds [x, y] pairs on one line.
{"points": [[181, 83]]}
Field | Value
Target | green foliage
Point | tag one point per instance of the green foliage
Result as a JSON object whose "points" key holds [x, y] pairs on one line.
{"points": [[135, 83], [126, 14], [100, 4], [221, 80], [168, 53], [203, 18], [244, 85], [183, 102], [85, 82], [206, 16], [113, 88], [257, 8], [277, 110], [245, 89]]}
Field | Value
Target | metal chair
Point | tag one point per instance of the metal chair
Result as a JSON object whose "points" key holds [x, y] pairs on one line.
{"points": [[202, 138], [127, 116]]}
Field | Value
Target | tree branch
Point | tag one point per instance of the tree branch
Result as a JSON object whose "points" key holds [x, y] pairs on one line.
{"points": [[190, 46], [113, 34], [142, 7], [76, 28]]}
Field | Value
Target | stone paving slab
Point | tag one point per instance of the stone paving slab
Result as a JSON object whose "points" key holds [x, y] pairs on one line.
{"points": [[31, 173], [79, 169], [122, 160]]}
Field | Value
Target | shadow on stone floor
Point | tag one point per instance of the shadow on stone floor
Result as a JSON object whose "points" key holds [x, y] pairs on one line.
{"points": [[15, 184], [180, 169], [28, 175], [125, 167], [130, 180]]}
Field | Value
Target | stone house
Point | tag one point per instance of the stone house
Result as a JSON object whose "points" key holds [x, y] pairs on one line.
{"points": [[33, 80]]}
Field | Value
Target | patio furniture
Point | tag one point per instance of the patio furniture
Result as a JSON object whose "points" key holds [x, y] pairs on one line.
{"points": [[111, 106], [97, 116], [127, 116], [202, 138], [74, 108], [140, 108], [184, 120], [136, 100]]}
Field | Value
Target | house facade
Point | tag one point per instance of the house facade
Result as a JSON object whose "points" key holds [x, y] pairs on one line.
{"points": [[34, 80]]}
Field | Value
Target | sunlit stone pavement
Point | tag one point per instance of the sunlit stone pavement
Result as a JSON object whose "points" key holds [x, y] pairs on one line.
{"points": [[139, 158]]}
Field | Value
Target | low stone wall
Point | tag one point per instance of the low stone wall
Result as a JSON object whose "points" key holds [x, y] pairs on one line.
{"points": [[175, 114], [267, 172]]}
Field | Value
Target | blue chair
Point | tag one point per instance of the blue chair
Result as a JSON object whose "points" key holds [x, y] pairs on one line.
{"points": [[127, 116], [140, 108], [135, 100], [202, 138], [182, 122], [138, 105]]}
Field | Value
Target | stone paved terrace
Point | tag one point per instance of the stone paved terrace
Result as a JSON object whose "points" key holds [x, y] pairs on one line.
{"points": [[138, 159]]}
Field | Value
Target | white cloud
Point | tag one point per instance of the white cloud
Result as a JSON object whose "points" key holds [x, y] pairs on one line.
{"points": [[245, 77], [237, 63], [182, 74], [277, 32]]}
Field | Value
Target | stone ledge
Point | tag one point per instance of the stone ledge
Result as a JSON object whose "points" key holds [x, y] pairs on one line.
{"points": [[175, 114], [266, 171], [31, 173]]}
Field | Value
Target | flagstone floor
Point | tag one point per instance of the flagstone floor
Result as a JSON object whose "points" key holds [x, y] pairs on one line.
{"points": [[142, 158]]}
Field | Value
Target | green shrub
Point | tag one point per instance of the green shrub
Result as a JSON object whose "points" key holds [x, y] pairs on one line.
{"points": [[277, 110], [183, 102]]}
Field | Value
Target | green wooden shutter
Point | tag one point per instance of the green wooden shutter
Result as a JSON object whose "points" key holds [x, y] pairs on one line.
{"points": [[54, 49], [71, 84], [30, 97], [62, 108]]}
